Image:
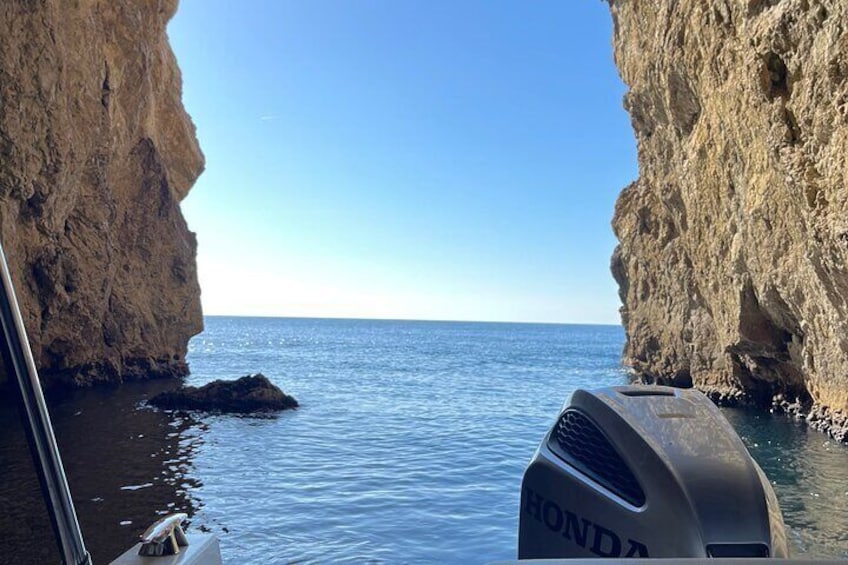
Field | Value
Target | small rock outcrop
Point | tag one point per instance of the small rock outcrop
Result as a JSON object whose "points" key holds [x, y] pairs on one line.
{"points": [[247, 395], [96, 153], [733, 256]]}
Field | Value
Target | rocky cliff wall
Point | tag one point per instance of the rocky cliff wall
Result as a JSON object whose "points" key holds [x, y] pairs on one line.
{"points": [[734, 239], [96, 152]]}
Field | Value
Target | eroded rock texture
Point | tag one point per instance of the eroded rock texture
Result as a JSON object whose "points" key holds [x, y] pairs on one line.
{"points": [[96, 152], [251, 394], [734, 239]]}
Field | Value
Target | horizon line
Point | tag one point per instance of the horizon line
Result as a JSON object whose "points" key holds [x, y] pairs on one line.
{"points": [[454, 321]]}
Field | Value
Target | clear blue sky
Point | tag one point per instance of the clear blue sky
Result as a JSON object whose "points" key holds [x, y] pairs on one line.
{"points": [[405, 159]]}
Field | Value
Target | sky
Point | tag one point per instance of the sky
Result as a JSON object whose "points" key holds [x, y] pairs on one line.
{"points": [[405, 159]]}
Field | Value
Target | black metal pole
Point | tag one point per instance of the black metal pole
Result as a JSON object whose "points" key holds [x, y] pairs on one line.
{"points": [[21, 368]]}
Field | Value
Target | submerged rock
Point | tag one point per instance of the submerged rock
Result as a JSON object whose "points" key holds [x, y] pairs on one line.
{"points": [[249, 394]]}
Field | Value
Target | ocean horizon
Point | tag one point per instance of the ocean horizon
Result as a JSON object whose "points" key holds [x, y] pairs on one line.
{"points": [[435, 321]]}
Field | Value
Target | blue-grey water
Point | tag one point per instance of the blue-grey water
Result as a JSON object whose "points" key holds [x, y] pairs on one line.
{"points": [[410, 442], [408, 447]]}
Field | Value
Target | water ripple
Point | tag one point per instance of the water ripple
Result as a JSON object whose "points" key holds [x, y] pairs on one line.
{"points": [[412, 439], [410, 442], [409, 446]]}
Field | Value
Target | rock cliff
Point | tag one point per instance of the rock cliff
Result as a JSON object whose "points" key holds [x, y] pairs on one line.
{"points": [[734, 239], [96, 152]]}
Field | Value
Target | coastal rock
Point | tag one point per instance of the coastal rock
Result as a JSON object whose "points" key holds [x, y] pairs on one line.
{"points": [[96, 153], [246, 395], [734, 238]]}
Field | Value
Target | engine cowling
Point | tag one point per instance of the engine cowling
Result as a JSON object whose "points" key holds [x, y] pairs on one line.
{"points": [[646, 471]]}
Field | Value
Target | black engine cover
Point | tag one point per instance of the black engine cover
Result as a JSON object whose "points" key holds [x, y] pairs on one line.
{"points": [[646, 471]]}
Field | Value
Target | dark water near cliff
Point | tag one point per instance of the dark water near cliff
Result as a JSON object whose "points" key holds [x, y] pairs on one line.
{"points": [[409, 446]]}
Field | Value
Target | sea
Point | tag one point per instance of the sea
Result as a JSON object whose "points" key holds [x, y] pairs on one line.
{"points": [[408, 446]]}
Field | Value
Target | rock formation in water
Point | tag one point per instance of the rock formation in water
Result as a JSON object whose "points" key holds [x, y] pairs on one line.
{"points": [[247, 395], [734, 239], [96, 152]]}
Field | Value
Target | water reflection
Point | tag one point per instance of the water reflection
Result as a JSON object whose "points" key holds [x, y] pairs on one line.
{"points": [[125, 466], [809, 472]]}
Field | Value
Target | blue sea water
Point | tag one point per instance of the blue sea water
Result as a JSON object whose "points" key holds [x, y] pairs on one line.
{"points": [[408, 447], [412, 438], [410, 441]]}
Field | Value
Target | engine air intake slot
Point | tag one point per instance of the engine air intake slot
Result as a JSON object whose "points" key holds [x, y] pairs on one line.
{"points": [[737, 550], [579, 442]]}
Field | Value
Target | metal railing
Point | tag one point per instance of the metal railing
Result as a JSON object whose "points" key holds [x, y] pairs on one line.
{"points": [[21, 370]]}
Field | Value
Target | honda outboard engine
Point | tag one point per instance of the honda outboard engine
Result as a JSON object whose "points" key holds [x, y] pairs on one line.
{"points": [[646, 471]]}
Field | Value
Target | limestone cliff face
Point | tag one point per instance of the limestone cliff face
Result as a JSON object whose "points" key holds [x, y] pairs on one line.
{"points": [[734, 239], [96, 152]]}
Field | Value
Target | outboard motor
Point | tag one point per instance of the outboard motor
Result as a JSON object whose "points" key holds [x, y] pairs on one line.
{"points": [[646, 471]]}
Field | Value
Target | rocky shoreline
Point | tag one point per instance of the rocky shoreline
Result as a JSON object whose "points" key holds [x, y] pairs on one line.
{"points": [[93, 374], [821, 418]]}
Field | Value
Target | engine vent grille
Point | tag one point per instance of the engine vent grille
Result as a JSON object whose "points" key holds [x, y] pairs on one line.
{"points": [[579, 442]]}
